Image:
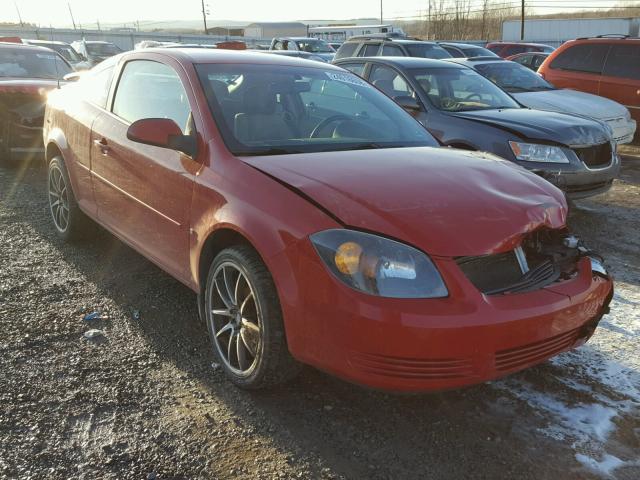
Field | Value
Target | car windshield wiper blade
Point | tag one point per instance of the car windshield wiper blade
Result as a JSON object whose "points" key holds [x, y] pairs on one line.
{"points": [[515, 88], [268, 151]]}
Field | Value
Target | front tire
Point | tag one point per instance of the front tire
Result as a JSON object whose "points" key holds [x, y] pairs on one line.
{"points": [[244, 320], [69, 221]]}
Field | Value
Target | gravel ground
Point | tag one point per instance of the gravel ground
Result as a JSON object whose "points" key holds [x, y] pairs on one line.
{"points": [[144, 401]]}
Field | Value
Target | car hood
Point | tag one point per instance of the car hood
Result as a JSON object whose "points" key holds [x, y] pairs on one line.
{"points": [[444, 201], [564, 129], [571, 101]]}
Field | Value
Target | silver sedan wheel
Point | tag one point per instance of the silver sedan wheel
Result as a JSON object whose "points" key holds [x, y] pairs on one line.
{"points": [[235, 319], [58, 199]]}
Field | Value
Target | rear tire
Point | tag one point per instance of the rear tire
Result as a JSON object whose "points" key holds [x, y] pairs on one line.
{"points": [[244, 319], [69, 221]]}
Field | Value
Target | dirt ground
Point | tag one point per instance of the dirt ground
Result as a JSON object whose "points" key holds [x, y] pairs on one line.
{"points": [[145, 402]]}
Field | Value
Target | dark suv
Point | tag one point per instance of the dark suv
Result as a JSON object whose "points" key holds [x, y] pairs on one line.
{"points": [[507, 49], [374, 46]]}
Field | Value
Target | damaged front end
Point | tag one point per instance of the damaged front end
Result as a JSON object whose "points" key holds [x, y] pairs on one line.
{"points": [[543, 258]]}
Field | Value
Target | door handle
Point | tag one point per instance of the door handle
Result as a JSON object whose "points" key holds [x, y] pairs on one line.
{"points": [[102, 145]]}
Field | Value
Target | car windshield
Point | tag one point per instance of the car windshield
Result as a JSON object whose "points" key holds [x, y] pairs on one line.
{"points": [[427, 50], [27, 63], [513, 77], [102, 49], [472, 52], [460, 90], [276, 109], [314, 46]]}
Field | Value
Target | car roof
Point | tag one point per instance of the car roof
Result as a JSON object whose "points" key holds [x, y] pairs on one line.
{"points": [[403, 62], [365, 38], [470, 62], [25, 46], [603, 39], [461, 45], [520, 43], [207, 55], [33, 41]]}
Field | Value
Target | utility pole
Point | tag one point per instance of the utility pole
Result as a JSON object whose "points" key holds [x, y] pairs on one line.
{"points": [[204, 18], [522, 22], [429, 22], [381, 22], [98, 23], [19, 16], [71, 13]]}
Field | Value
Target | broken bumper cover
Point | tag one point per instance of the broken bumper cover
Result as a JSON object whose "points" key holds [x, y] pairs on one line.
{"points": [[436, 344]]}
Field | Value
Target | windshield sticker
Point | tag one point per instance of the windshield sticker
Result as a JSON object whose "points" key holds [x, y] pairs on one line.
{"points": [[346, 78]]}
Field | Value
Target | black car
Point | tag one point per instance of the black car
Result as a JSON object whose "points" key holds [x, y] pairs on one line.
{"points": [[466, 50], [374, 45], [462, 109]]}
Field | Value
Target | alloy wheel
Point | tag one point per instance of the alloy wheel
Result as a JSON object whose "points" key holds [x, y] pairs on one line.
{"points": [[58, 198], [235, 317]]}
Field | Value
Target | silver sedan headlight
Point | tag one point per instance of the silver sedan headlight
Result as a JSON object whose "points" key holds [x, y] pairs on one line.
{"points": [[533, 152], [378, 266]]}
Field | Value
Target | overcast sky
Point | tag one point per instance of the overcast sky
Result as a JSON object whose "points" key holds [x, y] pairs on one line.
{"points": [[56, 13]]}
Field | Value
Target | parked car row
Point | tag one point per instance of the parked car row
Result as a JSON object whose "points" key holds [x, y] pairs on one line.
{"points": [[319, 223]]}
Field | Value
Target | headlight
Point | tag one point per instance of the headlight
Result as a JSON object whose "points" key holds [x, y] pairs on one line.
{"points": [[532, 152], [379, 266]]}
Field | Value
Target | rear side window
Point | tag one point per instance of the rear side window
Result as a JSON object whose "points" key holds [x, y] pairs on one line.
{"points": [[588, 57], [392, 50], [454, 52], [346, 50], [150, 89], [369, 50], [515, 49], [623, 62]]}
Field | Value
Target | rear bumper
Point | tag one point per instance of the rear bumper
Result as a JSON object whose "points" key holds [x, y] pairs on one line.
{"points": [[18, 142], [436, 344]]}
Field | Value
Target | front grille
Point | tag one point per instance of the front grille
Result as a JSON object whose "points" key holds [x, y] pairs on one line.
{"points": [[490, 272], [520, 357], [419, 369], [596, 156], [542, 259]]}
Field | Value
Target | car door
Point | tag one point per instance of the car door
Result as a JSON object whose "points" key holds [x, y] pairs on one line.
{"points": [[90, 98], [579, 67], [144, 192], [620, 80]]}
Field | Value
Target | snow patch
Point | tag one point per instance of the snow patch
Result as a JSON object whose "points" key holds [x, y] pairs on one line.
{"points": [[605, 372]]}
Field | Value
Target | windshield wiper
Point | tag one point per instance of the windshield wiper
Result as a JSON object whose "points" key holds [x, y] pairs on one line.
{"points": [[267, 151], [515, 88]]}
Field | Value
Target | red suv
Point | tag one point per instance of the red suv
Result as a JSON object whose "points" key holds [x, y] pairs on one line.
{"points": [[605, 66], [506, 49]]}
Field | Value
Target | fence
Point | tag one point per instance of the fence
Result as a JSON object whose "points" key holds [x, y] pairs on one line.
{"points": [[124, 39]]}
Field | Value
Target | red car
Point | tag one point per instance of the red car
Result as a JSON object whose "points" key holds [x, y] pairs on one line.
{"points": [[27, 74], [507, 49], [608, 66], [318, 222]]}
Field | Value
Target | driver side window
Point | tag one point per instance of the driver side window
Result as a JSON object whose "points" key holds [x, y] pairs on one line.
{"points": [[389, 81], [149, 89]]}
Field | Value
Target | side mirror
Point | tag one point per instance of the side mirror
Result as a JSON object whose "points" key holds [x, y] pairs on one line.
{"points": [[410, 104], [72, 77], [162, 132]]}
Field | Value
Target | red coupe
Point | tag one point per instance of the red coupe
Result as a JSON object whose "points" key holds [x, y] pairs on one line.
{"points": [[318, 222]]}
